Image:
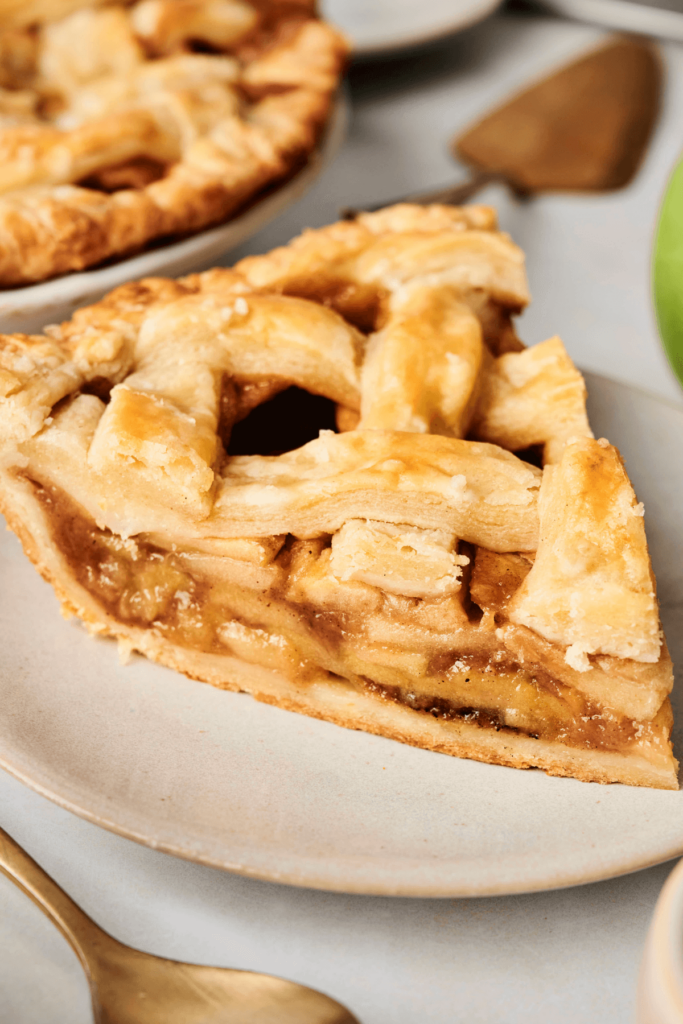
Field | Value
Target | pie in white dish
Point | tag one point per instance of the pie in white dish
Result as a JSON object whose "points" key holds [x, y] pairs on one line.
{"points": [[128, 124]]}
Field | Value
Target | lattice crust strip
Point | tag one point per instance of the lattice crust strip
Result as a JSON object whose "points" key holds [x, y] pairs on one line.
{"points": [[440, 570], [115, 130]]}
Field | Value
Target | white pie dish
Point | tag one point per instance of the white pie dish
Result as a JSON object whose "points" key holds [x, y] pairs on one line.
{"points": [[218, 778], [29, 309], [660, 985], [382, 27]]}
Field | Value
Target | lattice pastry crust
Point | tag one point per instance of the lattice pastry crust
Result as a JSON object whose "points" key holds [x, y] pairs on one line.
{"points": [[123, 123], [408, 573]]}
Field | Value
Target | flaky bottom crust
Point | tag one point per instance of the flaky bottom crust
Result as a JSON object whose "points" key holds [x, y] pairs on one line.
{"points": [[324, 697]]}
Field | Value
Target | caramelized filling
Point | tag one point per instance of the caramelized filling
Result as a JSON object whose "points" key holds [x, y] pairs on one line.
{"points": [[261, 614], [138, 584], [136, 174], [594, 729], [363, 305]]}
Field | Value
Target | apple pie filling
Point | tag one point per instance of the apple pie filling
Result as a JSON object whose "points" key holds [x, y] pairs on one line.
{"points": [[278, 603]]}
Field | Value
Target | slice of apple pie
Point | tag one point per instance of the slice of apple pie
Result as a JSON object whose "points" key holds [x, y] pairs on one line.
{"points": [[401, 570]]}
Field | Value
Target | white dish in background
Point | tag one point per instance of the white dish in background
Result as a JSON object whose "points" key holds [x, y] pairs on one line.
{"points": [[379, 27], [649, 17], [218, 778], [660, 985], [30, 308]]}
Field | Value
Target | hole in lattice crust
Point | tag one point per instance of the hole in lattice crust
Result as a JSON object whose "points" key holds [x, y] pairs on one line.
{"points": [[533, 455], [289, 420], [100, 387]]}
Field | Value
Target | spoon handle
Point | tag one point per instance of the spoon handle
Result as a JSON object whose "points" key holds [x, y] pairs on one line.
{"points": [[452, 194], [74, 924]]}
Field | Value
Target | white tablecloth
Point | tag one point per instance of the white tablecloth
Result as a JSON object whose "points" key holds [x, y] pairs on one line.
{"points": [[559, 957]]}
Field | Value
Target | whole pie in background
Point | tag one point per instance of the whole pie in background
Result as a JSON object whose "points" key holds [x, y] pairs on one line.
{"points": [[400, 570], [127, 123]]}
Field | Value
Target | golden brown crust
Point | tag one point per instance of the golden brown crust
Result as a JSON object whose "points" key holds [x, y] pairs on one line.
{"points": [[591, 587], [534, 397], [21, 13], [199, 134]]}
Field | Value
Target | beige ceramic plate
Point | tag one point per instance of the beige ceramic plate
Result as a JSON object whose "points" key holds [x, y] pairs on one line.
{"points": [[30, 309], [219, 778]]}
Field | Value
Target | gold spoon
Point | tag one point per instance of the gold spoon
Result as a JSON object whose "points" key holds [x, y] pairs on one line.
{"points": [[130, 987], [584, 128]]}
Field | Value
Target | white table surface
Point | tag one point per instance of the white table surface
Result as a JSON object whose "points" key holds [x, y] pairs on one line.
{"points": [[557, 957]]}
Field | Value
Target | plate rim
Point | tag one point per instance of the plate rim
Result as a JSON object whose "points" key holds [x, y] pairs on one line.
{"points": [[300, 879], [303, 876]]}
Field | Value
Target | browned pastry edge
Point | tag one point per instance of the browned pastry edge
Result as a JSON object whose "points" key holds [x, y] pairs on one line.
{"points": [[327, 698], [279, 271]]}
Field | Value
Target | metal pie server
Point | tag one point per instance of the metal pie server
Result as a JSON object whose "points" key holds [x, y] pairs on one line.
{"points": [[583, 128], [130, 987]]}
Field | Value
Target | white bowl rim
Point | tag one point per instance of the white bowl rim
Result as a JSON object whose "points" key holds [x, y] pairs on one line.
{"points": [[660, 982]]}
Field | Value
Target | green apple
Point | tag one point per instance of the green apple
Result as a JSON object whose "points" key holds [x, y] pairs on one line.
{"points": [[668, 271]]}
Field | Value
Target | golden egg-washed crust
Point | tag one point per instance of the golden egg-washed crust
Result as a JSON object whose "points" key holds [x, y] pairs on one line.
{"points": [[23, 13], [435, 287], [591, 586], [143, 469], [114, 132], [402, 553], [509, 413]]}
